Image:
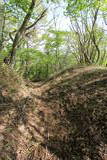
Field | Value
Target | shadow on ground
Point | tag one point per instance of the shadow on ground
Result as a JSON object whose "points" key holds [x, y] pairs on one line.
{"points": [[77, 122], [67, 122]]}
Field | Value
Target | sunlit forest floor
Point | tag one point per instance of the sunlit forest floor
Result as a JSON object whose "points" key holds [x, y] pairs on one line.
{"points": [[63, 118]]}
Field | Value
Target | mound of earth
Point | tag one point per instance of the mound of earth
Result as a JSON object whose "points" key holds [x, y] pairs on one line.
{"points": [[77, 122], [64, 118]]}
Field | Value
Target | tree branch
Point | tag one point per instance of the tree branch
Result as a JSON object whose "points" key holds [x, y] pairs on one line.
{"points": [[21, 30], [38, 19]]}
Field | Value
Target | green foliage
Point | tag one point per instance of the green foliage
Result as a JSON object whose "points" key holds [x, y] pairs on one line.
{"points": [[23, 4], [41, 55], [37, 65], [74, 7]]}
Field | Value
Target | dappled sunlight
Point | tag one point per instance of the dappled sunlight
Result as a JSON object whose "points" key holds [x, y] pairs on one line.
{"points": [[21, 131], [58, 121]]}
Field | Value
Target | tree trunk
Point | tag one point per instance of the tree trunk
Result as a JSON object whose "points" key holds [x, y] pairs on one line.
{"points": [[2, 19], [21, 31]]}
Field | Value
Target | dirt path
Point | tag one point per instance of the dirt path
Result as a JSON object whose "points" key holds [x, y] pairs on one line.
{"points": [[70, 73]]}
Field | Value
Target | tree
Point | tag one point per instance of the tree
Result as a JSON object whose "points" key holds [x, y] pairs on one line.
{"points": [[75, 6], [22, 30], [2, 23], [84, 16]]}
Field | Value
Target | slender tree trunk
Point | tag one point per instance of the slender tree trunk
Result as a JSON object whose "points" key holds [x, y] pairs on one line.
{"points": [[2, 21]]}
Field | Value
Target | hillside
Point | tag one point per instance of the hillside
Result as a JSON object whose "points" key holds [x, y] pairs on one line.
{"points": [[64, 118]]}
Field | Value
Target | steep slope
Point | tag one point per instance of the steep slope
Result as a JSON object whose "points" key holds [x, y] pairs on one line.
{"points": [[77, 122], [64, 118]]}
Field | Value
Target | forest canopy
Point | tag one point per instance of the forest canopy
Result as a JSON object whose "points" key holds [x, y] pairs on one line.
{"points": [[40, 38]]}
